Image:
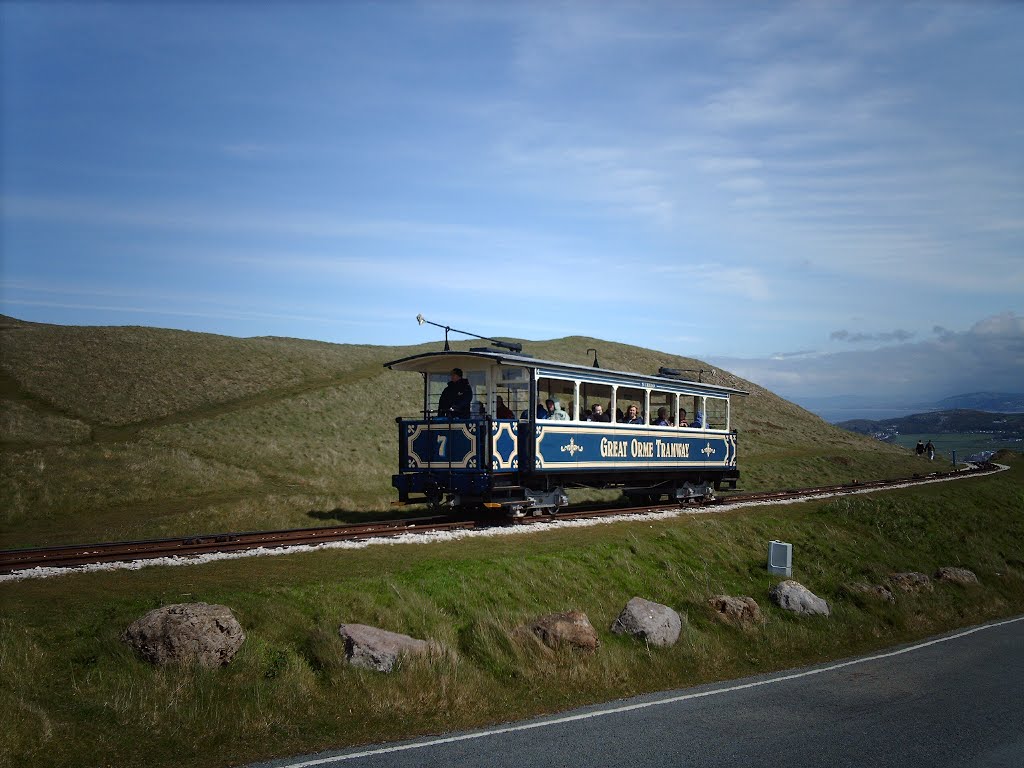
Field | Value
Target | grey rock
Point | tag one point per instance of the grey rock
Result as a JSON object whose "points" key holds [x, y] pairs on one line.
{"points": [[911, 581], [956, 575], [566, 628], [742, 611], [655, 623], [876, 591], [378, 649], [186, 633], [794, 596]]}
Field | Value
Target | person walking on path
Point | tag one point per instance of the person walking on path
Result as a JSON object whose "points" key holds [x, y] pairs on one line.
{"points": [[931, 451], [920, 448]]}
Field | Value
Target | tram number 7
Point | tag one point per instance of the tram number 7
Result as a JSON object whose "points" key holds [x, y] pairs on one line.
{"points": [[442, 444]]}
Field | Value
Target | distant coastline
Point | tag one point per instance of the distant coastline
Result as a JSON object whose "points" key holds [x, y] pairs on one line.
{"points": [[840, 408]]}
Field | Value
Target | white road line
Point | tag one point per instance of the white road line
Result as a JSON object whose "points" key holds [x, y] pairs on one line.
{"points": [[641, 705], [44, 572]]}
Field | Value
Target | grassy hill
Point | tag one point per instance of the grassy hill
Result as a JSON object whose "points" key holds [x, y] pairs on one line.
{"points": [[74, 694], [131, 432]]}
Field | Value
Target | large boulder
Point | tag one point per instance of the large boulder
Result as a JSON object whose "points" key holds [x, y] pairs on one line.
{"points": [[794, 596], [911, 581], [874, 591], [655, 623], [952, 574], [187, 633], [571, 628], [741, 611], [378, 649]]}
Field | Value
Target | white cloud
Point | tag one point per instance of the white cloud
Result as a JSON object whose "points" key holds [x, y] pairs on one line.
{"points": [[989, 356]]}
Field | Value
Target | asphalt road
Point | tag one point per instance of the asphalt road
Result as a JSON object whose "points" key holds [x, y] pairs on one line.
{"points": [[955, 700]]}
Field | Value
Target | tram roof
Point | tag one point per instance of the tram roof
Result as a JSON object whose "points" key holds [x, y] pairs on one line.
{"points": [[438, 362]]}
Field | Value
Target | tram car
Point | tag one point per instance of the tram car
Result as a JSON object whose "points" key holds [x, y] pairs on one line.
{"points": [[524, 431]]}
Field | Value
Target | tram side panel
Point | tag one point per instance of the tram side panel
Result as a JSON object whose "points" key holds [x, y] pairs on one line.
{"points": [[594, 449], [439, 456]]}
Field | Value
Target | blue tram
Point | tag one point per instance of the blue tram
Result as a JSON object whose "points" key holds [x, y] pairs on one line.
{"points": [[531, 429]]}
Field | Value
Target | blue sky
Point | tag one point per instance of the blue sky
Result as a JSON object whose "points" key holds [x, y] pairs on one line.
{"points": [[806, 194]]}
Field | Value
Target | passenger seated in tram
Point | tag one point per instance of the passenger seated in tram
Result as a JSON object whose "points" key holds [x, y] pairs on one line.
{"points": [[662, 420], [682, 418], [633, 415], [698, 420], [502, 411], [542, 412], [597, 413], [555, 413]]}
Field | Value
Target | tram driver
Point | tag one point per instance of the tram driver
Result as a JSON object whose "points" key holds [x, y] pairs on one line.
{"points": [[456, 397]]}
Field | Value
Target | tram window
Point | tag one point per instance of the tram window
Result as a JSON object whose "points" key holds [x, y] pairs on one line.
{"points": [[692, 405], [513, 386], [717, 413], [625, 397], [561, 391], [516, 398], [436, 382], [595, 394], [662, 404]]}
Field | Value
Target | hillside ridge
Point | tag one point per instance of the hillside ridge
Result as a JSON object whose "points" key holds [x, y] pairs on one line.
{"points": [[181, 432]]}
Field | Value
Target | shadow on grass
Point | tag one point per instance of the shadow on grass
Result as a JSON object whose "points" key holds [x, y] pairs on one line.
{"points": [[343, 515]]}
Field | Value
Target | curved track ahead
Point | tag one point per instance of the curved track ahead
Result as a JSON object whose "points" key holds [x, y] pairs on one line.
{"points": [[88, 554]]}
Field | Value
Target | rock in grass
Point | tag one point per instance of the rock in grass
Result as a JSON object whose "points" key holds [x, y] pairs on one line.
{"points": [[876, 591], [571, 628], [378, 649], [185, 633], [741, 611], [911, 581], [956, 575], [655, 623], [794, 596]]}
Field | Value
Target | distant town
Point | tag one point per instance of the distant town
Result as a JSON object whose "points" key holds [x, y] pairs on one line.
{"points": [[973, 434]]}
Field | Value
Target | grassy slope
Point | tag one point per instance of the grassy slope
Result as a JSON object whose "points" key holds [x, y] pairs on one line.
{"points": [[112, 433], [75, 695], [110, 439]]}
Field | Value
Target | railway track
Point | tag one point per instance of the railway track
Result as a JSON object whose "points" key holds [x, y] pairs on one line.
{"points": [[12, 560], [119, 551]]}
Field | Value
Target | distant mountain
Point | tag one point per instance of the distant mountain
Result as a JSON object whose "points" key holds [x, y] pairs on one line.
{"points": [[939, 422], [1000, 402], [840, 409]]}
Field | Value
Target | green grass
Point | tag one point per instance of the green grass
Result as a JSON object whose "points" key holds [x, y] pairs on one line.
{"points": [[74, 694], [139, 432], [124, 433]]}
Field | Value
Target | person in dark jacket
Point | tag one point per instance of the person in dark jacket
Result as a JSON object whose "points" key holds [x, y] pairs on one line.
{"points": [[920, 448], [456, 398]]}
